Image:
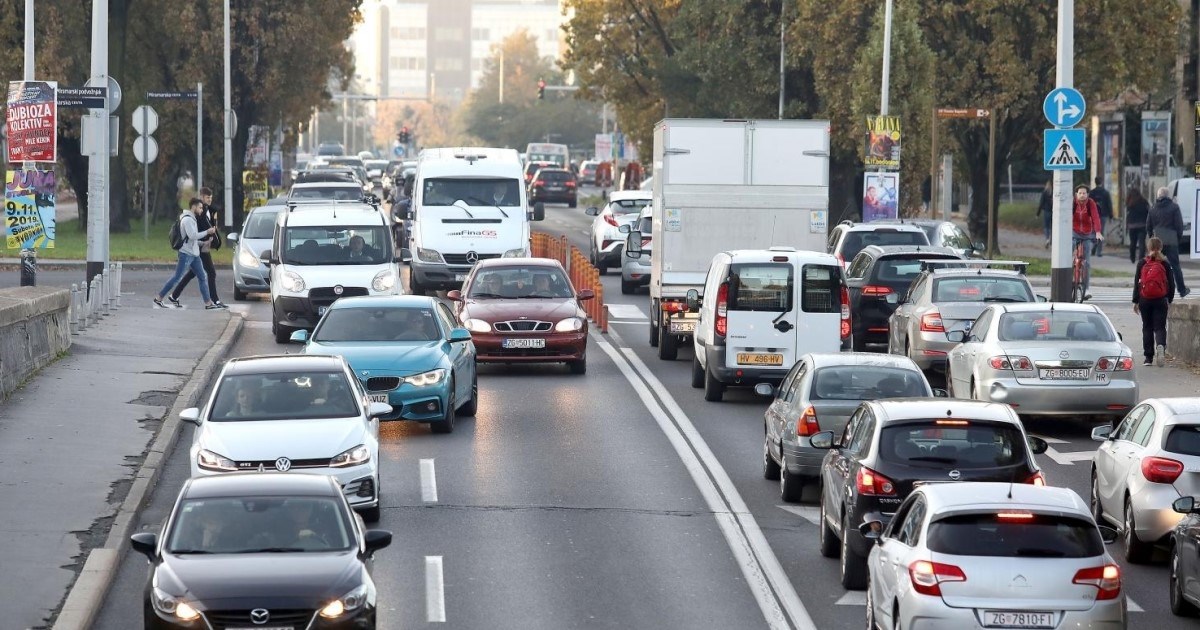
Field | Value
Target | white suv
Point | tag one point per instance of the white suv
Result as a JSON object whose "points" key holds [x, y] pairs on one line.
{"points": [[607, 242], [848, 238]]}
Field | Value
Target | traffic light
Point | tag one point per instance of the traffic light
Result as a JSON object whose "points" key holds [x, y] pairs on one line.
{"points": [[541, 90]]}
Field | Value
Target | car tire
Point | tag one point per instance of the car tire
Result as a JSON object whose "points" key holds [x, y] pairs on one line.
{"points": [[791, 486], [446, 424], [414, 287], [714, 390], [697, 372], [239, 295], [653, 332], [668, 344], [1179, 606], [1094, 501], [770, 467], [974, 391], [601, 268], [470, 407], [579, 366], [282, 333], [826, 539], [1136, 551], [627, 287], [370, 515], [572, 204], [853, 566], [857, 344]]}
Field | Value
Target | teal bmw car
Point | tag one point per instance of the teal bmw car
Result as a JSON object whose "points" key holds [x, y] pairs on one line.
{"points": [[407, 351]]}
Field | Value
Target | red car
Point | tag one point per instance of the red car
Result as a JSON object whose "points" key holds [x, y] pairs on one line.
{"points": [[524, 310]]}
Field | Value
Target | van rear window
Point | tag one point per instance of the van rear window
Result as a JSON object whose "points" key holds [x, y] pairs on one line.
{"points": [[760, 287], [821, 289], [1015, 535]]}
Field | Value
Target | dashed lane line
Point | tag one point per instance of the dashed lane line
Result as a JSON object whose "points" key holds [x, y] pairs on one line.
{"points": [[435, 593], [428, 482]]}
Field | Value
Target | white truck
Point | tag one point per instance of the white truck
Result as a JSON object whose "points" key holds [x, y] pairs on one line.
{"points": [[723, 185]]}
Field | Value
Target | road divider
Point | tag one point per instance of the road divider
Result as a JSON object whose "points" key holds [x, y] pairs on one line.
{"points": [[583, 275]]}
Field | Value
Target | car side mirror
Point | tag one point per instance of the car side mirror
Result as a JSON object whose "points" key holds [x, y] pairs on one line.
{"points": [[1108, 534], [191, 415], [871, 530], [1102, 433], [764, 389], [585, 294], [232, 237], [822, 440], [146, 544], [1037, 445], [459, 335], [405, 254], [1184, 505], [454, 295], [1042, 298], [633, 244], [266, 258], [624, 229], [940, 393], [299, 336], [376, 539], [693, 300], [1120, 336], [957, 336], [539, 211], [979, 246], [377, 409], [592, 211]]}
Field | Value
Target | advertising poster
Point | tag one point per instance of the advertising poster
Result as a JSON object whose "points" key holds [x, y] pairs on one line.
{"points": [[32, 121], [255, 191], [881, 196], [883, 142], [29, 209], [1112, 153], [1156, 149], [257, 146], [603, 148], [275, 173]]}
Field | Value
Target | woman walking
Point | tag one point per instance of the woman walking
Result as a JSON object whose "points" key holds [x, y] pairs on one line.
{"points": [[1153, 292], [1137, 209]]}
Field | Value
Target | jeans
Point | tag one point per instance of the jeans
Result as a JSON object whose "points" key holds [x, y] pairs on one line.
{"points": [[187, 262], [1172, 254], [1137, 243], [1098, 246], [209, 270], [1047, 224], [1076, 239], [1154, 325]]}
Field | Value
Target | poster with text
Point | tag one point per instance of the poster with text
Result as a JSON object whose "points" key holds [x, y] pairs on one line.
{"points": [[1156, 150], [32, 121], [29, 209], [881, 196], [883, 142], [1112, 157], [255, 191]]}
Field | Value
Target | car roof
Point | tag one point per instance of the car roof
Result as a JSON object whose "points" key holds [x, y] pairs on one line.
{"points": [[898, 250], [1183, 408], [904, 409], [518, 262], [875, 226], [627, 195], [554, 169], [248, 484], [920, 222], [266, 364], [830, 359], [792, 254], [976, 271], [384, 301], [985, 496], [325, 213], [1037, 307], [331, 184]]}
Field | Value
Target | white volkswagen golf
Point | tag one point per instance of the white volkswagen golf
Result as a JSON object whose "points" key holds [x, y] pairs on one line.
{"points": [[291, 413]]}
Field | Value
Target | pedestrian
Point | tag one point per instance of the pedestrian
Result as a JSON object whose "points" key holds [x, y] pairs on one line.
{"points": [[205, 220], [1104, 205], [1085, 227], [1153, 292], [1045, 210], [189, 256], [1136, 210], [1165, 221]]}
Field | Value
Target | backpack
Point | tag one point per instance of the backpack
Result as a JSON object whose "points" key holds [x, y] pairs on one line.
{"points": [[175, 236], [1154, 280]]}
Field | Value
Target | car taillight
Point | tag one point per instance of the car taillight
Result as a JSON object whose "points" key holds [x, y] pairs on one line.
{"points": [[872, 289], [872, 484], [807, 424], [1106, 579], [1161, 469], [540, 182], [932, 322], [722, 324], [610, 219], [674, 307], [1005, 362], [1114, 364], [927, 577], [1036, 479], [570, 184], [845, 313]]}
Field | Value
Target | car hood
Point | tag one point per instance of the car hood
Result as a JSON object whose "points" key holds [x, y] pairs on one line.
{"points": [[394, 358], [279, 580], [551, 310], [256, 245], [270, 439]]}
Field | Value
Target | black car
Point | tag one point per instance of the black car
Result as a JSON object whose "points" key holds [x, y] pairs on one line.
{"points": [[553, 185], [249, 550], [890, 446], [876, 279]]}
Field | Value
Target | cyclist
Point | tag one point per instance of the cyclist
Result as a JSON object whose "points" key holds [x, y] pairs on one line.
{"points": [[1085, 227]]}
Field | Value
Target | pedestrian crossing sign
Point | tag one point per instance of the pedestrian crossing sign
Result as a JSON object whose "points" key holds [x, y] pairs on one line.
{"points": [[1063, 150]]}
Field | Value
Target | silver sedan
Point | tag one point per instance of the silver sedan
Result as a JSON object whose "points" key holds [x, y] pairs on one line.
{"points": [[1044, 359]]}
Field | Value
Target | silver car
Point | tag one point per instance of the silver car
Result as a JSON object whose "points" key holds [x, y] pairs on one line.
{"points": [[992, 555], [1044, 359], [818, 394], [635, 270], [249, 273], [1143, 465]]}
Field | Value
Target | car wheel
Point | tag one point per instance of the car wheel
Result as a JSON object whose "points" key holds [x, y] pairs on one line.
{"points": [[414, 287], [790, 486], [446, 424], [653, 333], [239, 295], [907, 349], [826, 539], [1179, 606], [283, 334], [974, 391], [697, 372], [579, 366], [853, 566], [572, 204], [714, 390], [471, 406], [1094, 501], [770, 467], [370, 515], [668, 344], [1136, 551], [627, 287], [858, 343]]}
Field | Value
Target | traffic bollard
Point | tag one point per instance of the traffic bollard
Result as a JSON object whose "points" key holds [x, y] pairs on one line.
{"points": [[28, 267], [120, 272]]}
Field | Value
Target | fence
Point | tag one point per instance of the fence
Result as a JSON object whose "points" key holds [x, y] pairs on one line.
{"points": [[91, 301], [583, 275]]}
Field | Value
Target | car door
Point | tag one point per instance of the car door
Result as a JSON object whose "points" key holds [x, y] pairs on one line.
{"points": [[899, 325], [817, 321], [835, 472], [962, 357], [896, 549], [1128, 461], [462, 356], [1189, 556], [1112, 462], [860, 443], [760, 314], [778, 410]]}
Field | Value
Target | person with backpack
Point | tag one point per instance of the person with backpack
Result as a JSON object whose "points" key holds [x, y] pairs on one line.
{"points": [[1153, 292], [185, 238], [205, 220]]}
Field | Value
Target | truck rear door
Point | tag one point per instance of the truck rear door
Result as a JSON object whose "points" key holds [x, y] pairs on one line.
{"points": [[761, 298], [818, 317]]}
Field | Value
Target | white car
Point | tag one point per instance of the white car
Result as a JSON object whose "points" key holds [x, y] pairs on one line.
{"points": [[992, 555], [292, 413], [607, 242]]}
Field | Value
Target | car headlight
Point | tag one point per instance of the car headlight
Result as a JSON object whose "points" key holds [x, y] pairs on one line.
{"points": [[209, 460], [477, 325], [291, 282], [429, 255], [384, 281], [169, 605], [358, 455], [569, 324], [425, 379], [520, 252], [246, 258], [349, 602]]}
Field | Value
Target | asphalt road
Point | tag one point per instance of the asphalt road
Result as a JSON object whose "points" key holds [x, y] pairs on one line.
{"points": [[615, 499]]}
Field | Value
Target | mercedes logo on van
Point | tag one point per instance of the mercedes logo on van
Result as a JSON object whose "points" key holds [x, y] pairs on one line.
{"points": [[338, 289], [284, 464], [260, 616], [472, 257], [954, 475]]}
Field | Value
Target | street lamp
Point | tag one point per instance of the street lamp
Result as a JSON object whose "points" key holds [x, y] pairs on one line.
{"points": [[887, 59], [228, 132]]}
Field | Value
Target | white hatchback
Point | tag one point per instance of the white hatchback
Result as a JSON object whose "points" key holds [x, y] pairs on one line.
{"points": [[607, 241]]}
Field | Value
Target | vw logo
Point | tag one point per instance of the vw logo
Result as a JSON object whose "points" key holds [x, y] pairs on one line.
{"points": [[954, 474], [260, 616], [338, 289], [284, 464], [472, 257], [1064, 354]]}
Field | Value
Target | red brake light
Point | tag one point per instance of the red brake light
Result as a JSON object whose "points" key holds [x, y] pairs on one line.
{"points": [[1014, 516], [1114, 364], [722, 324], [609, 219], [872, 289], [1005, 362], [807, 424], [932, 322], [927, 577], [1161, 469], [570, 183], [1106, 579], [872, 484], [1036, 479], [540, 182], [845, 330]]}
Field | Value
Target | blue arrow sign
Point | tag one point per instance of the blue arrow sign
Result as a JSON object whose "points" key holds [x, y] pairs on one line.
{"points": [[1064, 150], [1064, 107]]}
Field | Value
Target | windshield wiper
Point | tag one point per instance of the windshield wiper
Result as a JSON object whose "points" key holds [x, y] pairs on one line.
{"points": [[276, 550], [187, 552], [933, 458], [1039, 552], [484, 296], [463, 207], [1002, 298]]}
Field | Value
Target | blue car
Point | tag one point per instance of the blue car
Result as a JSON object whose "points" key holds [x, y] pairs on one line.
{"points": [[407, 351]]}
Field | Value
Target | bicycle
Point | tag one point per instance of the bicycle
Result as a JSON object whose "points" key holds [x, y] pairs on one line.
{"points": [[1079, 271]]}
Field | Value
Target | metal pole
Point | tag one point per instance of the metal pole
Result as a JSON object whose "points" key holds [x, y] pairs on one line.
{"points": [[992, 184], [887, 59], [228, 129], [29, 255], [782, 31], [933, 164], [502, 74], [98, 160], [199, 136], [146, 173], [345, 122], [1060, 248]]}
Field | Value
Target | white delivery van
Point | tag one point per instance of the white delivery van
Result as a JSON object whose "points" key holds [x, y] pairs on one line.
{"points": [[1186, 193], [761, 310], [468, 204], [322, 251]]}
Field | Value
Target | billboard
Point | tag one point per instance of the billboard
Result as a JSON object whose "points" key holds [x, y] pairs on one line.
{"points": [[29, 202], [32, 121], [883, 142], [1111, 160], [881, 196]]}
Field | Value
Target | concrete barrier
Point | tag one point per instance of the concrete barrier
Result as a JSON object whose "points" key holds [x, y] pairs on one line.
{"points": [[34, 330], [1183, 331]]}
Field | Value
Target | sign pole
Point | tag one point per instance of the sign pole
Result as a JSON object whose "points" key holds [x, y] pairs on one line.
{"points": [[146, 174], [992, 228], [199, 136], [933, 163], [228, 132], [28, 254], [1060, 249], [98, 159]]}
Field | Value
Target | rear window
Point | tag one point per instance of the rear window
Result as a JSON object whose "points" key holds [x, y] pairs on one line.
{"points": [[760, 287], [866, 382], [856, 241], [1055, 326], [981, 289], [1183, 440], [1032, 536], [957, 443], [820, 289], [900, 269], [555, 176], [627, 206]]}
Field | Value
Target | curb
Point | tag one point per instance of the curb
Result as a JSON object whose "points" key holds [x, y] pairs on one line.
{"points": [[86, 596], [53, 263]]}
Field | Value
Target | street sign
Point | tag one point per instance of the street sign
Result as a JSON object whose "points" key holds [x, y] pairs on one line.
{"points": [[1063, 150], [145, 149], [398, 150], [146, 114], [171, 95], [114, 92], [1064, 107], [81, 97], [960, 112]]}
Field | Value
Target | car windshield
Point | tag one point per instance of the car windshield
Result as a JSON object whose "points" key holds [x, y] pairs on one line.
{"points": [[350, 245], [1059, 325], [259, 525], [446, 191], [963, 444], [328, 193], [866, 382], [520, 282], [261, 223], [377, 324], [1015, 534], [976, 288], [627, 206], [300, 395], [856, 241]]}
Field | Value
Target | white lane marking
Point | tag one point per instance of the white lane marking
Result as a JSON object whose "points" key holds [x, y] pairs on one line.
{"points": [[806, 512], [585, 232], [1132, 606], [1069, 459], [761, 569], [853, 598], [626, 311], [428, 481], [435, 593]]}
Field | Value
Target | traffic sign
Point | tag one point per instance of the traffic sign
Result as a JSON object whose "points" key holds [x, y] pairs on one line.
{"points": [[147, 114], [114, 92], [145, 149], [1063, 150], [959, 112], [398, 150], [81, 97], [1064, 107]]}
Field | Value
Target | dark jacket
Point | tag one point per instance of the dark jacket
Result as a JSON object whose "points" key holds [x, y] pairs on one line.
{"points": [[210, 214], [1103, 202], [202, 225], [1046, 203], [1165, 214], [1137, 281], [1136, 214]]}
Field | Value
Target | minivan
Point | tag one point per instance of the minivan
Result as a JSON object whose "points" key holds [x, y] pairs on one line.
{"points": [[761, 310]]}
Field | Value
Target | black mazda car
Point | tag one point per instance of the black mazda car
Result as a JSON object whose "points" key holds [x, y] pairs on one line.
{"points": [[261, 550]]}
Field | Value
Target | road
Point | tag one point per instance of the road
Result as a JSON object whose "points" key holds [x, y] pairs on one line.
{"points": [[617, 499]]}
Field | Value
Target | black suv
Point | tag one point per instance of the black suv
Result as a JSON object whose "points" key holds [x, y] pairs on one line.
{"points": [[876, 279], [890, 446], [553, 185]]}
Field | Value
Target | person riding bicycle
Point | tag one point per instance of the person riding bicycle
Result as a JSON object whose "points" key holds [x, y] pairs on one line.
{"points": [[1085, 227]]}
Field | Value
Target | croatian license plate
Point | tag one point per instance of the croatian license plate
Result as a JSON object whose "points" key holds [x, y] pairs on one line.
{"points": [[459, 277], [523, 343], [379, 398], [1065, 374], [756, 358], [1013, 619], [683, 327], [321, 310]]}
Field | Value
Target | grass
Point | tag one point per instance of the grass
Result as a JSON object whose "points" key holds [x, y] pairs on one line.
{"points": [[1020, 216], [71, 244], [591, 201], [1041, 267]]}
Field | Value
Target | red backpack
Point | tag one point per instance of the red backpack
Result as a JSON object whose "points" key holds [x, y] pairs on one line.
{"points": [[1154, 280]]}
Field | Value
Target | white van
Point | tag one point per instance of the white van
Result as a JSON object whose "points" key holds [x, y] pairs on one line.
{"points": [[323, 251], [1186, 193], [763, 309], [468, 205]]}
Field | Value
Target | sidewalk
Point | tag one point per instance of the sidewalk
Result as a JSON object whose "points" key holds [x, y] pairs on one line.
{"points": [[72, 439]]}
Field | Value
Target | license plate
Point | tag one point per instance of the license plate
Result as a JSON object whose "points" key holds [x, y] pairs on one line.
{"points": [[523, 343], [459, 277], [755, 358], [1012, 619], [683, 327], [379, 398], [1064, 374], [321, 310]]}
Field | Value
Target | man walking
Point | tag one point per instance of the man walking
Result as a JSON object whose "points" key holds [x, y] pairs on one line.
{"points": [[204, 220], [1104, 205], [1166, 222], [189, 255]]}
